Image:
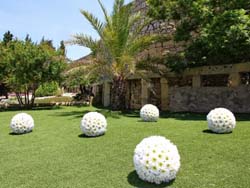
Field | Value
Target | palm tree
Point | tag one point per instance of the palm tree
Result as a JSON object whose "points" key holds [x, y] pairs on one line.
{"points": [[114, 54]]}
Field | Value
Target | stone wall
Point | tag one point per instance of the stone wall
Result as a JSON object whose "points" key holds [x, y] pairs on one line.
{"points": [[162, 27], [133, 98], [189, 91], [154, 92], [97, 91], [188, 99]]}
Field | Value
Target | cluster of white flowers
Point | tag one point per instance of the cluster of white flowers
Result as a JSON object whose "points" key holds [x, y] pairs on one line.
{"points": [[221, 120], [156, 160], [22, 123], [149, 112], [93, 124]]}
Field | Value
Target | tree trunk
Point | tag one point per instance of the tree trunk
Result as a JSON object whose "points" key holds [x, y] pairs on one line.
{"points": [[19, 98], [118, 93], [25, 99], [27, 103], [81, 89], [33, 99]]}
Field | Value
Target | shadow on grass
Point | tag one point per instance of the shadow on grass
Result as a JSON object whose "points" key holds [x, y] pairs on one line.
{"points": [[30, 109], [207, 131], [88, 137], [131, 114], [134, 180], [74, 114], [198, 116], [78, 114], [19, 134], [184, 116], [148, 122], [242, 117]]}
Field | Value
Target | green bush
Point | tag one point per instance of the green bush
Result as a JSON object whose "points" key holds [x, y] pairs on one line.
{"points": [[48, 89]]}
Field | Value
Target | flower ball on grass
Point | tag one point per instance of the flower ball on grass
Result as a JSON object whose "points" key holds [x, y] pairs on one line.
{"points": [[22, 123], [93, 124], [149, 112], [221, 120], [156, 160]]}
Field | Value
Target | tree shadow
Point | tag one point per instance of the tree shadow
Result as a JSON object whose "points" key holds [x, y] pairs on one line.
{"points": [[89, 137], [74, 114], [50, 107], [78, 114], [109, 113], [208, 131], [184, 116], [149, 122], [131, 114], [242, 117], [134, 180], [190, 116]]}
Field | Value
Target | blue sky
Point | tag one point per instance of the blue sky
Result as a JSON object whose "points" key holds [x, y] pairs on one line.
{"points": [[54, 19]]}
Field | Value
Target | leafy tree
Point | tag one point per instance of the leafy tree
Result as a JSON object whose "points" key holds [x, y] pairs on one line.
{"points": [[47, 43], [4, 57], [83, 78], [29, 66], [28, 38], [114, 54], [7, 37], [62, 48], [47, 89], [216, 32]]}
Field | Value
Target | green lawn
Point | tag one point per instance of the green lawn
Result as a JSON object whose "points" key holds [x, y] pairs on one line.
{"points": [[56, 155]]}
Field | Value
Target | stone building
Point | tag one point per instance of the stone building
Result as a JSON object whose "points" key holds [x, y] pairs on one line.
{"points": [[195, 90]]}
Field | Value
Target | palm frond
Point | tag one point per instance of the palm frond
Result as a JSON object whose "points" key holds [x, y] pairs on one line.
{"points": [[105, 13], [85, 41], [128, 65], [95, 22], [120, 31], [101, 68], [118, 4]]}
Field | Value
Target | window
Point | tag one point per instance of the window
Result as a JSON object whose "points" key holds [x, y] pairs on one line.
{"points": [[216, 80], [245, 78], [180, 81]]}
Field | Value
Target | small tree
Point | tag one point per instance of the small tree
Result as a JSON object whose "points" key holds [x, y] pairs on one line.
{"points": [[30, 65]]}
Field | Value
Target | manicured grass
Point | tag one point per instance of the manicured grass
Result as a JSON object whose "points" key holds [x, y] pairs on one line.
{"points": [[56, 155]]}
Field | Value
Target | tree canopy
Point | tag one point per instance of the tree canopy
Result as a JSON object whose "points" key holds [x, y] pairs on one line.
{"points": [[215, 32], [27, 65]]}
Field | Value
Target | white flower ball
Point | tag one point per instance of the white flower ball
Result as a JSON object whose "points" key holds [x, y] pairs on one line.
{"points": [[221, 120], [22, 123], [156, 160], [149, 112], [93, 124]]}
